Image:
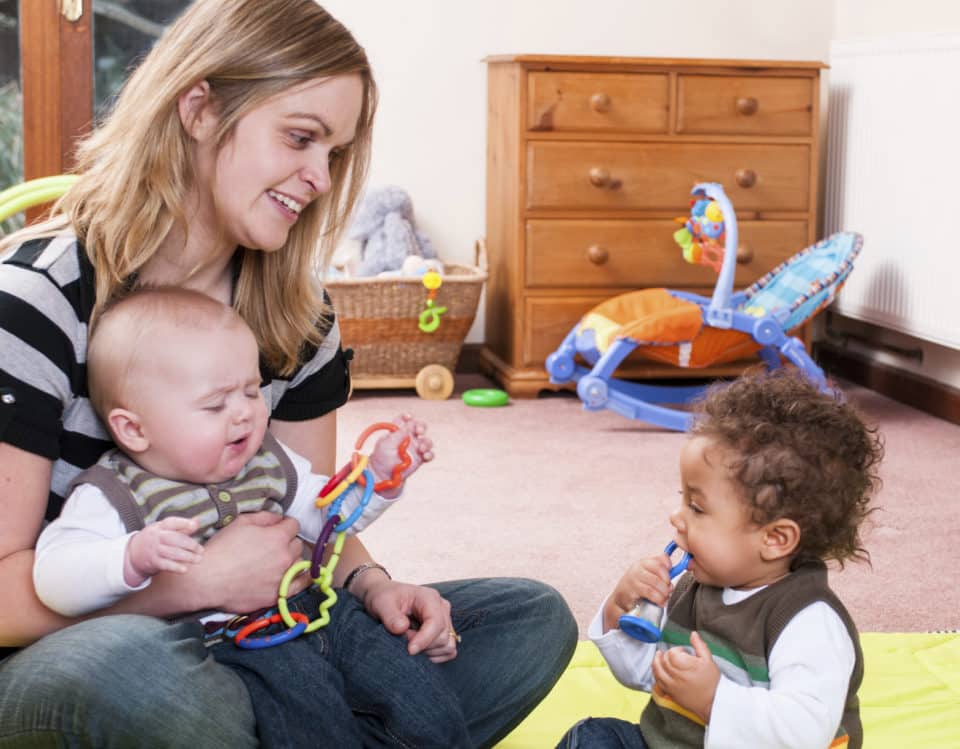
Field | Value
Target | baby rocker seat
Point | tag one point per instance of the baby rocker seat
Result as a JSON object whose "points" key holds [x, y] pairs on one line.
{"points": [[688, 330]]}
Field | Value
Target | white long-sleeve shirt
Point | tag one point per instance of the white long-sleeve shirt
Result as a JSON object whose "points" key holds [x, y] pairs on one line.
{"points": [[809, 665], [78, 566]]}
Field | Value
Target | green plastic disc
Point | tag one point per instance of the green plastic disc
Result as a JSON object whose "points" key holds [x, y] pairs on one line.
{"points": [[486, 397]]}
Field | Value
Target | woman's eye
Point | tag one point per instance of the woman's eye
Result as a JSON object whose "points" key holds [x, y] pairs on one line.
{"points": [[214, 409], [300, 139]]}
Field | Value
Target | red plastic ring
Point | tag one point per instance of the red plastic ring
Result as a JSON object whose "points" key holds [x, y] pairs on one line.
{"points": [[266, 621]]}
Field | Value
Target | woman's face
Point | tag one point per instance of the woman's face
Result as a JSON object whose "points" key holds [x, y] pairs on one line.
{"points": [[278, 159]]}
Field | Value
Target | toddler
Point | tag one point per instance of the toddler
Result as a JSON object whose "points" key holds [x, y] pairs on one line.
{"points": [[756, 650]]}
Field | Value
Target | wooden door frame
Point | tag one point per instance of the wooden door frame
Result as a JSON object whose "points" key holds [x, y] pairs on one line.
{"points": [[56, 74]]}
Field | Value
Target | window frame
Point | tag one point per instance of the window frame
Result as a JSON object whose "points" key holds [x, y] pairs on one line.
{"points": [[56, 79]]}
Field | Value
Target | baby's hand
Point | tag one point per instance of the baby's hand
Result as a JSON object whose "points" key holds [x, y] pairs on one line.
{"points": [[384, 457], [649, 578], [691, 680], [164, 546]]}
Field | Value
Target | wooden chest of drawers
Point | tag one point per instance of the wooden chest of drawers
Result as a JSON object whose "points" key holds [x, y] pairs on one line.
{"points": [[589, 160]]}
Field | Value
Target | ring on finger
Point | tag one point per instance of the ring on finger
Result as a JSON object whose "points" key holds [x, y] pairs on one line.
{"points": [[454, 636]]}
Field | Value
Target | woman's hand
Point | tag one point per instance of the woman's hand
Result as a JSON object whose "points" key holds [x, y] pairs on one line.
{"points": [[649, 578], [244, 562], [384, 457], [421, 614]]}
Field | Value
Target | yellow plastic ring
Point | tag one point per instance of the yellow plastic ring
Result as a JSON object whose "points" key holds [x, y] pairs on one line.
{"points": [[295, 569], [345, 484]]}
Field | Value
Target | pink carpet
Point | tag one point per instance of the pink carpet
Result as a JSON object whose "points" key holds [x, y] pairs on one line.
{"points": [[543, 489]]}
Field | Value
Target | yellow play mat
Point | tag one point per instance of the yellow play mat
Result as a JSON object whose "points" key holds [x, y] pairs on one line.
{"points": [[910, 694]]}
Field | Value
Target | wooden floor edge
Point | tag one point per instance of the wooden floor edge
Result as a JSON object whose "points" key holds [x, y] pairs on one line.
{"points": [[929, 396]]}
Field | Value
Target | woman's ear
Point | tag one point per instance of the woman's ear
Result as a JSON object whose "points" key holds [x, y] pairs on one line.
{"points": [[127, 431], [196, 111], [780, 539]]}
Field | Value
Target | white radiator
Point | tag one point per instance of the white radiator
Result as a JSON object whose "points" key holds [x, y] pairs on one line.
{"points": [[893, 165]]}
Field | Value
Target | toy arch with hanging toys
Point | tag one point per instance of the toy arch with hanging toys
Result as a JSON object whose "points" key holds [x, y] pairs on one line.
{"points": [[692, 331]]}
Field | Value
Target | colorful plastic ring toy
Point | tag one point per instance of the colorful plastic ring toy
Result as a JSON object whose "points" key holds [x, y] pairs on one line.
{"points": [[336, 479], [486, 397], [405, 460], [244, 640], [325, 533], [358, 464], [358, 510]]}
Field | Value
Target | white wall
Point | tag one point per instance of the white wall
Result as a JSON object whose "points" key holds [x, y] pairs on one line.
{"points": [[427, 55], [855, 19], [862, 18], [428, 58]]}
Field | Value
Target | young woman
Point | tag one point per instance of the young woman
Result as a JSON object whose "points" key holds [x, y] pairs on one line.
{"points": [[229, 165]]}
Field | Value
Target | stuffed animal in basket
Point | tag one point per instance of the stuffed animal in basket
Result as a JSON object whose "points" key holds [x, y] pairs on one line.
{"points": [[385, 226]]}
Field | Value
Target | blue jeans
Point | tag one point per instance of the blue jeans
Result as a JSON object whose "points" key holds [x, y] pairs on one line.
{"points": [[127, 681], [603, 733]]}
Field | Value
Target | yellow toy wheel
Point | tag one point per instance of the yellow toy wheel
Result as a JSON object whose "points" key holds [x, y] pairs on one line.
{"points": [[434, 382]]}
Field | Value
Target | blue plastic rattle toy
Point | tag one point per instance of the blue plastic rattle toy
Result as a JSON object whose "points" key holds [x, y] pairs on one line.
{"points": [[643, 623]]}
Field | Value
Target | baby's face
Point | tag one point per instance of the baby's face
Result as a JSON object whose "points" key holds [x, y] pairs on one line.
{"points": [[713, 522], [202, 411]]}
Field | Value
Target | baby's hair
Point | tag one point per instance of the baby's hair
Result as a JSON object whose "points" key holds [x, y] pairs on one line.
{"points": [[800, 454], [122, 335]]}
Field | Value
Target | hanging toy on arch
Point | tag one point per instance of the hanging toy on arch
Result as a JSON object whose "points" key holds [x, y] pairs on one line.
{"points": [[702, 236], [430, 317]]}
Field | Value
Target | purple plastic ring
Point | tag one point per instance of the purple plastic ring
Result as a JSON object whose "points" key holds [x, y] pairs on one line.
{"points": [[317, 557]]}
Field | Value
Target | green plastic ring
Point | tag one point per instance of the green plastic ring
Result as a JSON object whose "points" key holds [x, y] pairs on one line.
{"points": [[486, 397]]}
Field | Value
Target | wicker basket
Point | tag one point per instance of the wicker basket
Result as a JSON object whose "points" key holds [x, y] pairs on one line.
{"points": [[379, 319]]}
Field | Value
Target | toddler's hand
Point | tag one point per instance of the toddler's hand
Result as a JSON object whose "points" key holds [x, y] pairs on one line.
{"points": [[691, 680], [384, 456], [164, 546], [649, 578]]}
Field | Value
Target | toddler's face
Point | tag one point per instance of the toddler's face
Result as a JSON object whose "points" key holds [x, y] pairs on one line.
{"points": [[202, 410], [713, 522]]}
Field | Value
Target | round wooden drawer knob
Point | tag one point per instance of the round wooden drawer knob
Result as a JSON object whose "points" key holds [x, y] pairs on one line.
{"points": [[600, 103], [600, 177], [746, 178], [744, 254], [747, 105], [597, 254]]}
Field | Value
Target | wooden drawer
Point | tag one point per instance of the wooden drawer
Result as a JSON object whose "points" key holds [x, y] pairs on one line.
{"points": [[598, 102], [745, 105], [658, 176], [548, 320], [636, 254]]}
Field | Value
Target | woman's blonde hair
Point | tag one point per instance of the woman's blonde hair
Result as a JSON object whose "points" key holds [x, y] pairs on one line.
{"points": [[135, 169]]}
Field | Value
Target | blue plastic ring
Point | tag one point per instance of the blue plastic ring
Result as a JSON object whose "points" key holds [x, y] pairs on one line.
{"points": [[364, 501], [258, 643], [680, 566]]}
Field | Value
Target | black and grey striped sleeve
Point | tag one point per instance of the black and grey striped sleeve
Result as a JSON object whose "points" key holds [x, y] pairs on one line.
{"points": [[320, 386], [43, 337]]}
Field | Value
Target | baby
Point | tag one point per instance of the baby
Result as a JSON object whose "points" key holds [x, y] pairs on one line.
{"points": [[175, 376], [756, 650]]}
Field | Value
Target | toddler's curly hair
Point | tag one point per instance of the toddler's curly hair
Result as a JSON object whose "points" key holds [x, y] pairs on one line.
{"points": [[801, 454]]}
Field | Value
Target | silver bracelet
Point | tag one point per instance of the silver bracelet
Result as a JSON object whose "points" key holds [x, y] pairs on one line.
{"points": [[361, 569]]}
